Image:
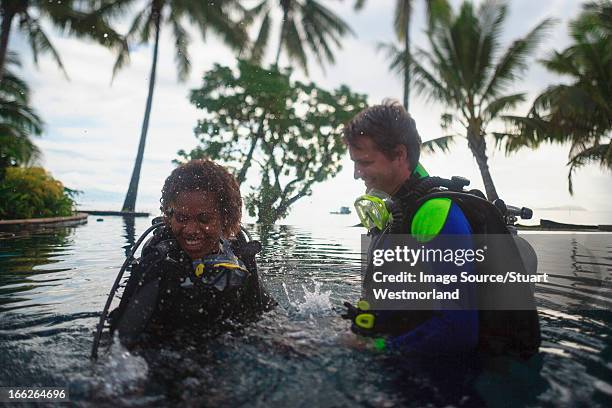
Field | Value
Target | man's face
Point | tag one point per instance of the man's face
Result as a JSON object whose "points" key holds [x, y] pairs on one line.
{"points": [[375, 168], [196, 223]]}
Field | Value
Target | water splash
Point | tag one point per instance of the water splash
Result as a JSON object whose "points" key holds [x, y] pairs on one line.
{"points": [[315, 303], [122, 372]]}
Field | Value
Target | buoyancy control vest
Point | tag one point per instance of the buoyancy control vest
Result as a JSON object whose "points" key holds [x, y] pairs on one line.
{"points": [[501, 332], [167, 291]]}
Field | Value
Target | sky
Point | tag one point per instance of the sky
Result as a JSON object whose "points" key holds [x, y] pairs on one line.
{"points": [[92, 127]]}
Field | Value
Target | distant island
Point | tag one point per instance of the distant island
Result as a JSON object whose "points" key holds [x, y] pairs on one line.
{"points": [[563, 208]]}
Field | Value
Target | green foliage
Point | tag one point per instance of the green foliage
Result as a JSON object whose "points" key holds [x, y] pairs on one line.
{"points": [[205, 16], [578, 113], [468, 72], [72, 17], [32, 193], [437, 11], [18, 121], [306, 24], [291, 131]]}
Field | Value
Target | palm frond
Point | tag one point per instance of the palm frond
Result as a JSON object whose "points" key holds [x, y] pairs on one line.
{"points": [[401, 18], [181, 42], [259, 46], [320, 26], [359, 4], [562, 63], [21, 116], [394, 55], [141, 23], [427, 83], [514, 61], [307, 24], [86, 23], [39, 42], [491, 16], [14, 88], [441, 144], [16, 146], [217, 17], [18, 121], [439, 12], [293, 43], [600, 153], [501, 104]]}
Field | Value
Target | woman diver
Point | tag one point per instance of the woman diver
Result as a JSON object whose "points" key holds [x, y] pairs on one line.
{"points": [[198, 272]]}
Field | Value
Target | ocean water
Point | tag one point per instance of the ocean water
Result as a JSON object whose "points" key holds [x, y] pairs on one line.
{"points": [[54, 282]]}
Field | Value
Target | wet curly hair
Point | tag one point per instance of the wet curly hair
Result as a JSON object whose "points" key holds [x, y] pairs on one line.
{"points": [[206, 176]]}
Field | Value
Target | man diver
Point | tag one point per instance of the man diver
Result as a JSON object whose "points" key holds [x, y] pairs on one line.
{"points": [[197, 272], [384, 145]]}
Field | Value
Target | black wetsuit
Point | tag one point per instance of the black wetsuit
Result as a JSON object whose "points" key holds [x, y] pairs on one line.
{"points": [[164, 296]]}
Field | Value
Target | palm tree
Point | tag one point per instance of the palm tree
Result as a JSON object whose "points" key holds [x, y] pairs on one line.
{"points": [[579, 112], [18, 121], [400, 58], [148, 23], [305, 24], [65, 15], [468, 73]]}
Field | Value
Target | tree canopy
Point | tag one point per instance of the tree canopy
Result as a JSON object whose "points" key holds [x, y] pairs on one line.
{"points": [[18, 120], [74, 17], [291, 132], [467, 70], [305, 25], [578, 112]]}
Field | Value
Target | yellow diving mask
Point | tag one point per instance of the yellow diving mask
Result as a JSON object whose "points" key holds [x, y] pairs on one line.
{"points": [[373, 211]]}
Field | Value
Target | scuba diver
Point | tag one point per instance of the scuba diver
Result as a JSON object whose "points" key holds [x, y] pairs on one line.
{"points": [[402, 198], [198, 271]]}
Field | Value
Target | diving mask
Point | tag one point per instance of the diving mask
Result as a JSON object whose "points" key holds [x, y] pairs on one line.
{"points": [[373, 211]]}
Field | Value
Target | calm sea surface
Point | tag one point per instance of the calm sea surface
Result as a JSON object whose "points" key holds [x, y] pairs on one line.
{"points": [[53, 285]]}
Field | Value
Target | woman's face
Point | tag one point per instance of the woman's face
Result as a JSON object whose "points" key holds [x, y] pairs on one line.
{"points": [[196, 223]]}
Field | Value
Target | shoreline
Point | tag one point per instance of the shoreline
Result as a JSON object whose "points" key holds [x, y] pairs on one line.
{"points": [[31, 223]]}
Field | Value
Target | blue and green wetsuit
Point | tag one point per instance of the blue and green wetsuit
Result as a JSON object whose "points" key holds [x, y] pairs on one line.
{"points": [[445, 331]]}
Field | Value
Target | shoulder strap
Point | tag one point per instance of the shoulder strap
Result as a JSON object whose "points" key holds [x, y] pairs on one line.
{"points": [[414, 192]]}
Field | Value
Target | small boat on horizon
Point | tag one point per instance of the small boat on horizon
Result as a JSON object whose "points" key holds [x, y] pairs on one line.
{"points": [[343, 211]]}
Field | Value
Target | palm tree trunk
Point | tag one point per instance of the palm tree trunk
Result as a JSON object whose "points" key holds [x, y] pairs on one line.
{"points": [[130, 199], [407, 61], [478, 146], [7, 20]]}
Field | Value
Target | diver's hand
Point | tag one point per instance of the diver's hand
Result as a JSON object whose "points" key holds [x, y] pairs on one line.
{"points": [[351, 311], [358, 343], [362, 318]]}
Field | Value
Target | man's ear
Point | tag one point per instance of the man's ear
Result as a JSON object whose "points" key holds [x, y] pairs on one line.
{"points": [[400, 152]]}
